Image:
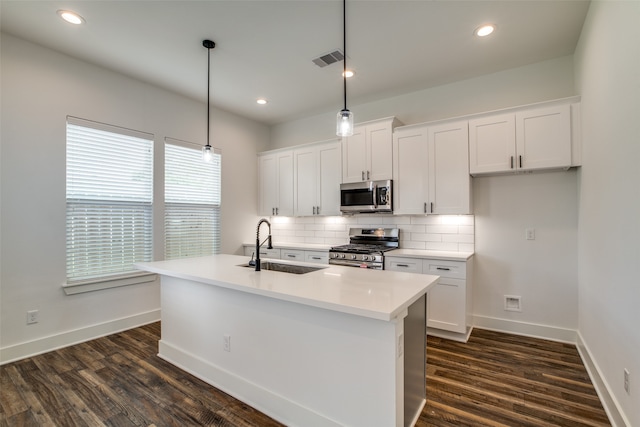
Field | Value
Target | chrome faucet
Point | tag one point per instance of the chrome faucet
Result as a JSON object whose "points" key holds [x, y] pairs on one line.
{"points": [[258, 244]]}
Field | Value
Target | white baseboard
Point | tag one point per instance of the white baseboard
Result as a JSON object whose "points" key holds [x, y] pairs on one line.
{"points": [[265, 401], [454, 336], [66, 339], [526, 329], [609, 402]]}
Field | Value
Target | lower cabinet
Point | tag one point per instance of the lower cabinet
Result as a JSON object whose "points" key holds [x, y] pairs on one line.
{"points": [[319, 257], [449, 302]]}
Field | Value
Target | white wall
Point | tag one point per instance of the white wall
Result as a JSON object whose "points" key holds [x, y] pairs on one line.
{"points": [[607, 64], [543, 272], [39, 89], [524, 85]]}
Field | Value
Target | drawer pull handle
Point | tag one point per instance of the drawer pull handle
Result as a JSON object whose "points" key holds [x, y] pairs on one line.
{"points": [[316, 257], [443, 268], [291, 255], [403, 265]]}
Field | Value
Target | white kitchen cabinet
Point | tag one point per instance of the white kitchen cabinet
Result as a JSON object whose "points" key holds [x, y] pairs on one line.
{"points": [[527, 139], [449, 303], [276, 183], [264, 252], [317, 177], [431, 169], [367, 154]]}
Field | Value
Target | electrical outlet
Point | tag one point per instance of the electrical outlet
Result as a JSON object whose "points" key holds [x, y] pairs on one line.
{"points": [[226, 343], [531, 234], [512, 303], [626, 381], [32, 317]]}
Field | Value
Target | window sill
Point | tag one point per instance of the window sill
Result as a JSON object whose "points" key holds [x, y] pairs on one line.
{"points": [[115, 282]]}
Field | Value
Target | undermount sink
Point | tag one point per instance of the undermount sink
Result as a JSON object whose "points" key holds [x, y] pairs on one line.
{"points": [[284, 268]]}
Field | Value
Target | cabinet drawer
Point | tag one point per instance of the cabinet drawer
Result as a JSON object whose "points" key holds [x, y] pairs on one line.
{"points": [[409, 265], [269, 253], [317, 257], [292, 255], [453, 269]]}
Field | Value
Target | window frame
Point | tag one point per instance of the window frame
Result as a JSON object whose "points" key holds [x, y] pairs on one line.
{"points": [[117, 279]]}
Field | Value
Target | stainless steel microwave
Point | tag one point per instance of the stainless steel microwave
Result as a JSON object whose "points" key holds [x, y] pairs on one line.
{"points": [[366, 197]]}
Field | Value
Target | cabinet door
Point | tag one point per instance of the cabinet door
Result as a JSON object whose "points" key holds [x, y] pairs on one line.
{"points": [[317, 257], [330, 170], [285, 184], [446, 305], [449, 182], [379, 151], [268, 165], [306, 181], [354, 156], [492, 144], [543, 137], [292, 254], [410, 160]]}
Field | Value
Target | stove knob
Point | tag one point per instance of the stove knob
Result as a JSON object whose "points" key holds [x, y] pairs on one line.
{"points": [[341, 255], [353, 257], [365, 257]]}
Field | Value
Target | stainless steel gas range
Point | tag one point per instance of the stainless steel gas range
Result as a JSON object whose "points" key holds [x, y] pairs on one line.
{"points": [[366, 248]]}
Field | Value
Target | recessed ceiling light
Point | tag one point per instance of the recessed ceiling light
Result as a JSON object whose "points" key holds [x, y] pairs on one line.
{"points": [[485, 30], [261, 101], [71, 17], [348, 73]]}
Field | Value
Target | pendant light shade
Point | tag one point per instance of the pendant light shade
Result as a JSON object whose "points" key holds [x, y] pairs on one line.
{"points": [[207, 151], [344, 123]]}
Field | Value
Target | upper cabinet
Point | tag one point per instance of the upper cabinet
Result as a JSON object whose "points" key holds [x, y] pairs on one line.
{"points": [[523, 140], [317, 177], [431, 169], [367, 154], [276, 183]]}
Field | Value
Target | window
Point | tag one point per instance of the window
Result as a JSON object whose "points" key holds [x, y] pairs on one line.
{"points": [[109, 201], [192, 201]]}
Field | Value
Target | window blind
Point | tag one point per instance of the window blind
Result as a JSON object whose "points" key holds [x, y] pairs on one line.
{"points": [[192, 201], [109, 200]]}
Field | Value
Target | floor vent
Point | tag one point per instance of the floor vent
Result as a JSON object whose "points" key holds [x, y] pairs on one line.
{"points": [[328, 58]]}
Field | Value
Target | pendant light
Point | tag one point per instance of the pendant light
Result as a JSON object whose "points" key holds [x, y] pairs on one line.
{"points": [[344, 124], [207, 152]]}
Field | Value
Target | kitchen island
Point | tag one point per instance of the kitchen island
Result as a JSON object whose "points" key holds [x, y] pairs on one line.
{"points": [[339, 346]]}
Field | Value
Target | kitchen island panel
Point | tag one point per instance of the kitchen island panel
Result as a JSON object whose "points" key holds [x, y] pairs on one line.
{"points": [[302, 365]]}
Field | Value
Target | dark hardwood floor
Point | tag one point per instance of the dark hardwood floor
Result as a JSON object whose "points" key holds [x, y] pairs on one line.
{"points": [[493, 380]]}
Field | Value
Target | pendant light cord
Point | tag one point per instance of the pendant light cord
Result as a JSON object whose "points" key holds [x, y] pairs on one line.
{"points": [[344, 49], [208, 96]]}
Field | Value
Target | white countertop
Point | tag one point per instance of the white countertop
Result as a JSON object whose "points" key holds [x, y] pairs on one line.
{"points": [[421, 253], [377, 294]]}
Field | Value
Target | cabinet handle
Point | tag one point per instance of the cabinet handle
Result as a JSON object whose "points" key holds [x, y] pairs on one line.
{"points": [[314, 210], [368, 175], [273, 211], [511, 162], [403, 265], [317, 210], [425, 207], [443, 268], [316, 257], [431, 207], [276, 211], [291, 255], [263, 253], [520, 161], [363, 175]]}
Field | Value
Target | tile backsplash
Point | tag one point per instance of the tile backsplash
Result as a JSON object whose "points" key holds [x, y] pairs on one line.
{"points": [[454, 233]]}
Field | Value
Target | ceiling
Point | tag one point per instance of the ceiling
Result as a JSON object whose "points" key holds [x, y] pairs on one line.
{"points": [[265, 48]]}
